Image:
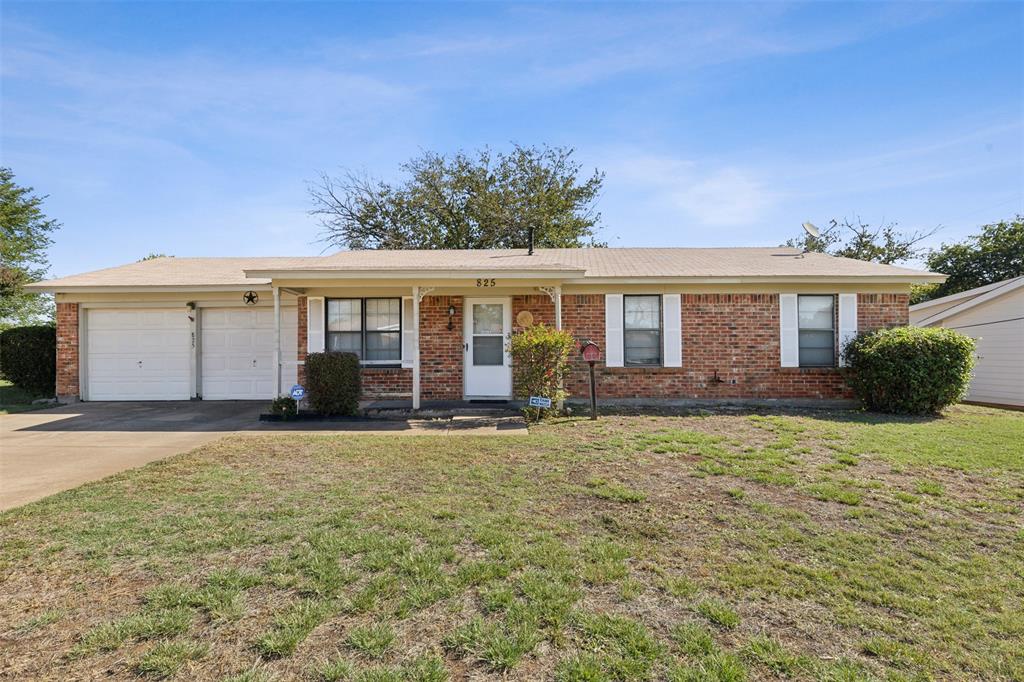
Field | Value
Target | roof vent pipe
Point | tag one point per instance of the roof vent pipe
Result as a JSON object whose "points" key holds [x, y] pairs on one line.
{"points": [[529, 250]]}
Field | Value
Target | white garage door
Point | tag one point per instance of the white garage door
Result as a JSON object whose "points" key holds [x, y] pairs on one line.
{"points": [[238, 352], [138, 354]]}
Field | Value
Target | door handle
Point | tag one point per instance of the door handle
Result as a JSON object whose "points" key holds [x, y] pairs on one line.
{"points": [[140, 364]]}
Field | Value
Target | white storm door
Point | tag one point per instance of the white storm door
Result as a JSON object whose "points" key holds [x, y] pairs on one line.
{"points": [[488, 367], [138, 354], [238, 352]]}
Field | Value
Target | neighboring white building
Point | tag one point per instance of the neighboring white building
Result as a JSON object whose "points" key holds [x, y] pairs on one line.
{"points": [[994, 316]]}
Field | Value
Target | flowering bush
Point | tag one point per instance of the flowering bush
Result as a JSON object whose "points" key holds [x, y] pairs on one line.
{"points": [[540, 363]]}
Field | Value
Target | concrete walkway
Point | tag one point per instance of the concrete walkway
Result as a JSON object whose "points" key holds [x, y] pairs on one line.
{"points": [[47, 451]]}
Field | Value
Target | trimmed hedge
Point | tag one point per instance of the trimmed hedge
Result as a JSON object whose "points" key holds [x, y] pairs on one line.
{"points": [[540, 364], [909, 370], [333, 383], [28, 358]]}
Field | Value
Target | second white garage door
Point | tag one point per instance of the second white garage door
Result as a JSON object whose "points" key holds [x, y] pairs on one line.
{"points": [[238, 352]]}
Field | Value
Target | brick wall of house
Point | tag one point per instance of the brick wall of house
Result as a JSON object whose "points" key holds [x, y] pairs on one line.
{"points": [[441, 350], [541, 307], [730, 350], [67, 350], [387, 383], [881, 311]]}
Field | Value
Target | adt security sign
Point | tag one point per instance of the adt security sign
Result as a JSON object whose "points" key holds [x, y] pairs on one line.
{"points": [[538, 401], [298, 392]]}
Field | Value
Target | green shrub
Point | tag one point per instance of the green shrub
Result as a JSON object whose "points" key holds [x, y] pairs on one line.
{"points": [[285, 406], [540, 363], [28, 358], [909, 370], [333, 383]]}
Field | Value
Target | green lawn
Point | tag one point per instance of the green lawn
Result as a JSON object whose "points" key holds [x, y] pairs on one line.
{"points": [[14, 399], [724, 546]]}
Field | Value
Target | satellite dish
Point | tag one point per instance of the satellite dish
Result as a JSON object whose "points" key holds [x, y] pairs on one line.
{"points": [[810, 229]]}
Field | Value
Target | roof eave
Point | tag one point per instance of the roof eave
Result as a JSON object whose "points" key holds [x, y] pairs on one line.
{"points": [[349, 273], [43, 287]]}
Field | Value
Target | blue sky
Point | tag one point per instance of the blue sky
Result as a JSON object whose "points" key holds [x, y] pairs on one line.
{"points": [[193, 128]]}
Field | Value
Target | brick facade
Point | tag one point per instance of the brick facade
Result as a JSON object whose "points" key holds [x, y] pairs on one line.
{"points": [[387, 383], [67, 351], [730, 350], [441, 350]]}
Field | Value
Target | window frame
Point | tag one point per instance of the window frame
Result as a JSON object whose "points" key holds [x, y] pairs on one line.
{"points": [[363, 331], [834, 329], [660, 329]]}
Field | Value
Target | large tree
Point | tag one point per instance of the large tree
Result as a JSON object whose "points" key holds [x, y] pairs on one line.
{"points": [[24, 238], [482, 200], [992, 256], [884, 243]]}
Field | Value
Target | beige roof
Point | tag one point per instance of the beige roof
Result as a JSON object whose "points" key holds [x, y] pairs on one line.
{"points": [[575, 264]]}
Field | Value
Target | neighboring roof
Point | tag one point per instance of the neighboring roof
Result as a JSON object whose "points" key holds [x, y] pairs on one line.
{"points": [[940, 309], [779, 263]]}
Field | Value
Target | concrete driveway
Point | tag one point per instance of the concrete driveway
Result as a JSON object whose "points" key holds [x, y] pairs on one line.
{"points": [[46, 451]]}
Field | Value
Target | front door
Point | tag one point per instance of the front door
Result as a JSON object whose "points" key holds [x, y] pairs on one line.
{"points": [[488, 322]]}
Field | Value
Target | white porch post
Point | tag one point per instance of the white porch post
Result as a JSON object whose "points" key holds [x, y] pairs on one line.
{"points": [[277, 342], [416, 348], [558, 307]]}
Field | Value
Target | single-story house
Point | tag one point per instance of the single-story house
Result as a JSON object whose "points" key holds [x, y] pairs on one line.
{"points": [[993, 315], [682, 323]]}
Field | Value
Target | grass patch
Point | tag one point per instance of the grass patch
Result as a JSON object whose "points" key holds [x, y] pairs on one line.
{"points": [[167, 658], [616, 492], [371, 640], [718, 613], [489, 557]]}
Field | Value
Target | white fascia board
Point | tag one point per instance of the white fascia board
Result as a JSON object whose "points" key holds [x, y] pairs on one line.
{"points": [[147, 288], [413, 274], [763, 279]]}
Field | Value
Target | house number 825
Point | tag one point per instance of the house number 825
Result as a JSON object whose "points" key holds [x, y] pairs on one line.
{"points": [[489, 282]]}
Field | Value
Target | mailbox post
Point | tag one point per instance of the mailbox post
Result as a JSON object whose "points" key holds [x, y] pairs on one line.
{"points": [[591, 353]]}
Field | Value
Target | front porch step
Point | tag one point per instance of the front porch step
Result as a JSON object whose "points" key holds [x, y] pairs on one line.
{"points": [[402, 409]]}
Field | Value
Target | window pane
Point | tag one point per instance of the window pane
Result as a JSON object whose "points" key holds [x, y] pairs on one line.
{"points": [[642, 347], [343, 315], [817, 348], [816, 312], [642, 312], [383, 314], [345, 342], [487, 318], [383, 346], [488, 350]]}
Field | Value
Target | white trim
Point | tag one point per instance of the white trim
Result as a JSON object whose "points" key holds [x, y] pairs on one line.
{"points": [[316, 333], [613, 343], [672, 330], [277, 342], [789, 331], [970, 293], [408, 332], [83, 355], [847, 322], [351, 273], [416, 349]]}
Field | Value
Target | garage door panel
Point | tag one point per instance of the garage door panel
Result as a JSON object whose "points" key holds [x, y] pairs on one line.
{"points": [[142, 354], [238, 352]]}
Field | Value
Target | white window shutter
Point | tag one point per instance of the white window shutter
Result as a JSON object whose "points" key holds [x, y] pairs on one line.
{"points": [[672, 330], [613, 353], [315, 324], [789, 330], [847, 322], [408, 332]]}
